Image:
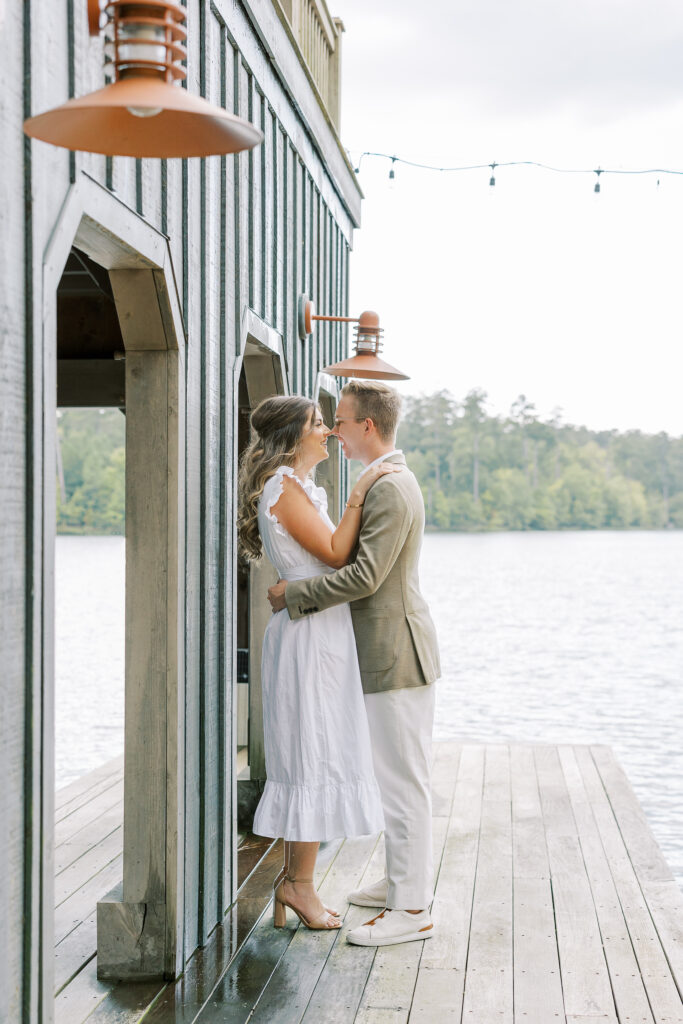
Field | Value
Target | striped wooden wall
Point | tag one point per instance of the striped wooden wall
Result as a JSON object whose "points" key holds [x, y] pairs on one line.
{"points": [[252, 231]]}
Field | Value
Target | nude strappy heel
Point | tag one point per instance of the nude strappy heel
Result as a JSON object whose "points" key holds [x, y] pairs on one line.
{"points": [[324, 921], [282, 873]]}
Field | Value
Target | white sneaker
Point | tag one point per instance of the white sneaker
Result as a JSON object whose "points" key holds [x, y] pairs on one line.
{"points": [[374, 895], [392, 926]]}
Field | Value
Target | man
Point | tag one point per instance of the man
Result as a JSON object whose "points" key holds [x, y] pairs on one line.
{"points": [[398, 657]]}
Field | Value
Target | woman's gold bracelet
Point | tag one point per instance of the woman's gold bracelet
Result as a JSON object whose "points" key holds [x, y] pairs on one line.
{"points": [[349, 505]]}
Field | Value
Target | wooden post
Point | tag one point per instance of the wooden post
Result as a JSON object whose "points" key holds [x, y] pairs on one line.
{"points": [[334, 82], [137, 923]]}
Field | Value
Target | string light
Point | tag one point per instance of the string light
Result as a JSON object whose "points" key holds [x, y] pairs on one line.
{"points": [[515, 163]]}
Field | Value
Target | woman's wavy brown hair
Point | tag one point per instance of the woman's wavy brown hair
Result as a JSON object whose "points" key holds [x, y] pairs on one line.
{"points": [[277, 426]]}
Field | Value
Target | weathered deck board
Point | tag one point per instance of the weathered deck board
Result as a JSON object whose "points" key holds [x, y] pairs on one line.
{"points": [[86, 808], [639, 931], [630, 996], [88, 863], [488, 984], [299, 969], [585, 974], [88, 784], [441, 978], [89, 836], [247, 977], [537, 983], [553, 903], [341, 984], [391, 983]]}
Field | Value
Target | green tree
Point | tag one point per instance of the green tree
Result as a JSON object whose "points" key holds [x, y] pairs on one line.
{"points": [[626, 504], [91, 484], [508, 501], [474, 419], [579, 499], [481, 472]]}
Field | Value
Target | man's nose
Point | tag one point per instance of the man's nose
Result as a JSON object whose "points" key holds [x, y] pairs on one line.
{"points": [[333, 432]]}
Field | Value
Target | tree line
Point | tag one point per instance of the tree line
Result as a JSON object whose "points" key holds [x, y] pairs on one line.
{"points": [[91, 477], [518, 472], [477, 471]]}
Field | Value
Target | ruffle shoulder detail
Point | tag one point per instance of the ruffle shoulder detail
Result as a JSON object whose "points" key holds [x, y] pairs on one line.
{"points": [[272, 493]]}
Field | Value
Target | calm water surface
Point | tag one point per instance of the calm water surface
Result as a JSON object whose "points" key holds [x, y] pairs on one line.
{"points": [[89, 653], [550, 637]]}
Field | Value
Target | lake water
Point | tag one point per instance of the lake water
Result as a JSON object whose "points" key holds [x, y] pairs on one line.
{"points": [[89, 653], [545, 637]]}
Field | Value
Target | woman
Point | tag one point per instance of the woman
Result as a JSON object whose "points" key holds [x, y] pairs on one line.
{"points": [[318, 755]]}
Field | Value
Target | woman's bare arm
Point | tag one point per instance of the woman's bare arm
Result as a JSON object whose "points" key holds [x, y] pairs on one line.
{"points": [[301, 520]]}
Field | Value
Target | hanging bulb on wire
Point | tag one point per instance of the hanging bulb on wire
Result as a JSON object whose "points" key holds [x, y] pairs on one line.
{"points": [[512, 163]]}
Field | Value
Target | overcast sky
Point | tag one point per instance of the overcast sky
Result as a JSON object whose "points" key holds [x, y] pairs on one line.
{"points": [[538, 285]]}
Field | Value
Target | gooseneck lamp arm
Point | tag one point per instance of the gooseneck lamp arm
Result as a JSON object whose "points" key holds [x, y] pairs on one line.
{"points": [[365, 363]]}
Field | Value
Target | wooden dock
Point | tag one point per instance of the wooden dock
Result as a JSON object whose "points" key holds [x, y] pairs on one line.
{"points": [[553, 904]]}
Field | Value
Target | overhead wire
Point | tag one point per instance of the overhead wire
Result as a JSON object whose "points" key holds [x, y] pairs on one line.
{"points": [[512, 163]]}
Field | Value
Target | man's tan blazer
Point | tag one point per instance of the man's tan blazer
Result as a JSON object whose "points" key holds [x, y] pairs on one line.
{"points": [[395, 635]]}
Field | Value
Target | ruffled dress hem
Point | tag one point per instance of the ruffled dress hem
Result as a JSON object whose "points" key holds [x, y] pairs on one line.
{"points": [[316, 814]]}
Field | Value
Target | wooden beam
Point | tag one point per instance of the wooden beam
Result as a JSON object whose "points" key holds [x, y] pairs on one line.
{"points": [[91, 382], [137, 306]]}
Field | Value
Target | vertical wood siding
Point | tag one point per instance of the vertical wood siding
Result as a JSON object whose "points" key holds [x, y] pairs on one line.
{"points": [[14, 370], [254, 230]]}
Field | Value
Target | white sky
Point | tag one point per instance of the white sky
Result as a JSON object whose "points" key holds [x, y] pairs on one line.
{"points": [[537, 286]]}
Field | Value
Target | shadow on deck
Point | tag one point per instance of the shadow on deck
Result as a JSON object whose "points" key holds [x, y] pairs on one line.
{"points": [[553, 903]]}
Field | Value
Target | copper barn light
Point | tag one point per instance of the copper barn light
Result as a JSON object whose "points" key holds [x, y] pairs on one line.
{"points": [[144, 112], [365, 363]]}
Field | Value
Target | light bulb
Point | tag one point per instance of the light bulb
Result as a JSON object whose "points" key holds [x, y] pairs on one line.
{"points": [[144, 111], [366, 343], [130, 54]]}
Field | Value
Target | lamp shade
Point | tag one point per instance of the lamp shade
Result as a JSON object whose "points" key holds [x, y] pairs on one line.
{"points": [[368, 367], [144, 112], [186, 125], [366, 364]]}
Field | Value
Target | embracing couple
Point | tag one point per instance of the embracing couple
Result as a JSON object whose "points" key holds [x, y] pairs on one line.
{"points": [[349, 658]]}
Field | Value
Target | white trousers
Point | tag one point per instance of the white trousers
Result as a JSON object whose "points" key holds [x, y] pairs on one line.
{"points": [[401, 724]]}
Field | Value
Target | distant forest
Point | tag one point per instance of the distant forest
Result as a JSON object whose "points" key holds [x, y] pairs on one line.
{"points": [[91, 474], [477, 472], [518, 472]]}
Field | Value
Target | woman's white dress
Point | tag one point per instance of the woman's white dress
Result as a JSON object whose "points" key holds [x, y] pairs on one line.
{"points": [[320, 781]]}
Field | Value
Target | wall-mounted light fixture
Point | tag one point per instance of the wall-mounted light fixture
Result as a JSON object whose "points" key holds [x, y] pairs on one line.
{"points": [[365, 362], [144, 112]]}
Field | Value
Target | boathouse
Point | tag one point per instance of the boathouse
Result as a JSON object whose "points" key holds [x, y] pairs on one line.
{"points": [[170, 290]]}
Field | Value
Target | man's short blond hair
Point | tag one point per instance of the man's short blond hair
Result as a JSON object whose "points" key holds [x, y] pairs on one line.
{"points": [[377, 402]]}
